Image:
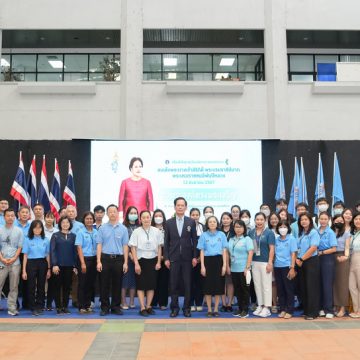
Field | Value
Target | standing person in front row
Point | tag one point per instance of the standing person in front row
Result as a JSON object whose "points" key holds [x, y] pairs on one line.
{"points": [[212, 245], [112, 260], [241, 250], [145, 243], [63, 259], [180, 255], [36, 266], [11, 242], [327, 249], [354, 279], [284, 268], [86, 249], [308, 265], [262, 266]]}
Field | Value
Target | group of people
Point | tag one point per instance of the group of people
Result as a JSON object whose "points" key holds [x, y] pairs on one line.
{"points": [[262, 265]]}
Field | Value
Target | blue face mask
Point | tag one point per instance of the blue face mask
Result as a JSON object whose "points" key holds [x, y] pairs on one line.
{"points": [[132, 217]]}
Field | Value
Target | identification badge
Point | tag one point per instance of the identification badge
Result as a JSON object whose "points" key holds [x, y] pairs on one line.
{"points": [[258, 252], [148, 246]]}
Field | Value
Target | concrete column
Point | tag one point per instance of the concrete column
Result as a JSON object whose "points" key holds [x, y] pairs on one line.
{"points": [[276, 68], [131, 69], [0, 46]]}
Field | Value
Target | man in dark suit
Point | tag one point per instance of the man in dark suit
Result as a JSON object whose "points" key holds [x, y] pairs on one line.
{"points": [[180, 255]]}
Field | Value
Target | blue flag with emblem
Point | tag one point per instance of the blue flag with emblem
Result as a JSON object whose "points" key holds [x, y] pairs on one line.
{"points": [[320, 183], [337, 191], [294, 194], [280, 190]]}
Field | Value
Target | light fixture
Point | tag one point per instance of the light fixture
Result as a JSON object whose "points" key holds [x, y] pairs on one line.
{"points": [[219, 76], [172, 76], [42, 38], [4, 63], [227, 61], [56, 64], [170, 62], [306, 38], [241, 38], [107, 38]]}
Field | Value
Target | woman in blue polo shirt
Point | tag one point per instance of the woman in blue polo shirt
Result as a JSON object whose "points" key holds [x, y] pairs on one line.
{"points": [[86, 249], [241, 250], [212, 245], [36, 265], [284, 268], [308, 265], [262, 265], [326, 251]]}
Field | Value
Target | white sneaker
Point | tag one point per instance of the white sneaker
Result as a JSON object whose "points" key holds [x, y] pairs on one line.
{"points": [[265, 312], [258, 311], [199, 308], [13, 312], [329, 316], [193, 308], [322, 313], [92, 305]]}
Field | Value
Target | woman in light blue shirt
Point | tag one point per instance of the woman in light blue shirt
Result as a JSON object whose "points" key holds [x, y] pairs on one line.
{"points": [[308, 266], [212, 245], [241, 250], [36, 265], [86, 248], [327, 249], [284, 268]]}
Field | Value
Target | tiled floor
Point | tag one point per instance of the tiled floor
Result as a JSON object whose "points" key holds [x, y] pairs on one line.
{"points": [[265, 339]]}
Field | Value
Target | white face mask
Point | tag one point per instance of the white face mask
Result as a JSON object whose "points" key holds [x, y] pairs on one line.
{"points": [[158, 220], [266, 212], [246, 220], [207, 215], [323, 207], [338, 211], [283, 231]]}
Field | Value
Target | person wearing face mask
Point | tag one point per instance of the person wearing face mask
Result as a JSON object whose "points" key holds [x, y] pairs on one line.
{"points": [[245, 216], [207, 212], [284, 268], [301, 208], [342, 265], [338, 207], [196, 283], [161, 295], [322, 206], [326, 250], [265, 209], [235, 212], [131, 222]]}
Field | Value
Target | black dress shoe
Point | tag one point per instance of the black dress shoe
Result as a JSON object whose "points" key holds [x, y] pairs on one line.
{"points": [[174, 313], [187, 313], [104, 312], [117, 312]]}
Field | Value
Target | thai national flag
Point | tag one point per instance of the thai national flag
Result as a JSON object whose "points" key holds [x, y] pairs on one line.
{"points": [[44, 197], [55, 196], [18, 191], [69, 191], [31, 185]]}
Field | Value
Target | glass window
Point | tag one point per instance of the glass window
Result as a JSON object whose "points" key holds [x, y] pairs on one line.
{"points": [[247, 76], [174, 62], [49, 77], [326, 59], [200, 62], [301, 63], [225, 63], [50, 63], [152, 62], [300, 77], [5, 61], [350, 58], [200, 76], [249, 62], [152, 76], [96, 77], [24, 63], [96, 60], [78, 62], [225, 76], [174, 76], [76, 77]]}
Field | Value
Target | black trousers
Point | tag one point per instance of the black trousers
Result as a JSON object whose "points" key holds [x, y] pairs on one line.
{"points": [[23, 288], [310, 286], [161, 295], [62, 285], [285, 289], [196, 287], [36, 270], [327, 278], [111, 274], [180, 270], [86, 282], [241, 290], [50, 295]]}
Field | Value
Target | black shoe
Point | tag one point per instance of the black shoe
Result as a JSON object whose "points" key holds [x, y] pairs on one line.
{"points": [[117, 312], [66, 311], [223, 309], [174, 313], [229, 309], [35, 313], [187, 313], [144, 313], [59, 312], [150, 311], [104, 312]]}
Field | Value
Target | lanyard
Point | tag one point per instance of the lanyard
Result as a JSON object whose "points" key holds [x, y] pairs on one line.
{"points": [[235, 243], [258, 238], [147, 234]]}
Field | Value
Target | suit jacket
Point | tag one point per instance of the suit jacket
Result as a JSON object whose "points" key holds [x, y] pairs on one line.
{"points": [[182, 247]]}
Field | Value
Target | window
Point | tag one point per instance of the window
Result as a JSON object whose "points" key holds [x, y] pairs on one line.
{"points": [[200, 63], [23, 63], [76, 63], [50, 63]]}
